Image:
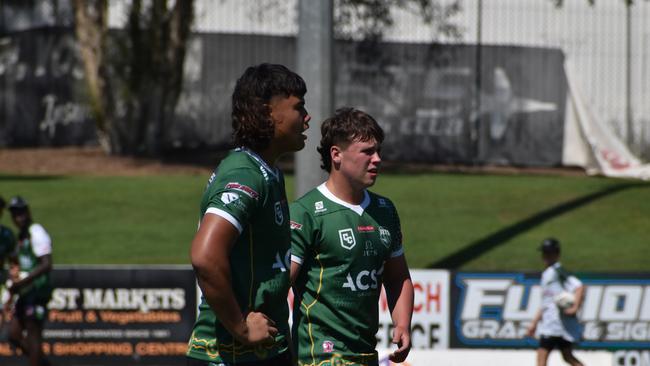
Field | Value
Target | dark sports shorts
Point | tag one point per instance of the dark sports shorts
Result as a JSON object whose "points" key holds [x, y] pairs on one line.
{"points": [[279, 360], [548, 343], [30, 306]]}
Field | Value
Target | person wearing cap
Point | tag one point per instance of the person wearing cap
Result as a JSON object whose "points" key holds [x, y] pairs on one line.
{"points": [[33, 255], [557, 325]]}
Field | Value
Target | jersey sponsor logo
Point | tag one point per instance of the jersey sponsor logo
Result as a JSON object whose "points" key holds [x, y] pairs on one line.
{"points": [[364, 280], [264, 173], [243, 188], [369, 249], [294, 225], [279, 217], [365, 229], [496, 310], [382, 202], [319, 207], [328, 346], [384, 236], [228, 197], [346, 237]]}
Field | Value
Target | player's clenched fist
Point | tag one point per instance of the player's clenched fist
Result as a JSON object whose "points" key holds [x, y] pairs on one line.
{"points": [[256, 329]]}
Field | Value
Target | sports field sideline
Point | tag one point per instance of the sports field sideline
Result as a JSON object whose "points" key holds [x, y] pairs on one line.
{"points": [[491, 222]]}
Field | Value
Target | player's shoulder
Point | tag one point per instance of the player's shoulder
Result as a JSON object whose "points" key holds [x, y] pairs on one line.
{"points": [[380, 201], [307, 200], [36, 228]]}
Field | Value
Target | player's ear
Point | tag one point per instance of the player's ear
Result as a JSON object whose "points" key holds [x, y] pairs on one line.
{"points": [[335, 154]]}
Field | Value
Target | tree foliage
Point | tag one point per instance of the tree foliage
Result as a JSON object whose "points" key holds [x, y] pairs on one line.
{"points": [[134, 76]]}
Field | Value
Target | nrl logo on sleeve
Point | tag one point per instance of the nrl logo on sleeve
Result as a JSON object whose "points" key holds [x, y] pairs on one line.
{"points": [[346, 236], [243, 188], [279, 217], [384, 236], [228, 197]]}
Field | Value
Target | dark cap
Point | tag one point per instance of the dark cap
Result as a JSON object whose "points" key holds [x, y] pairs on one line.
{"points": [[17, 203], [550, 245]]}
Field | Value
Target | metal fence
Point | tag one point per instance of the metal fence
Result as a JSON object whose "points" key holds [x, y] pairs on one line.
{"points": [[607, 44]]}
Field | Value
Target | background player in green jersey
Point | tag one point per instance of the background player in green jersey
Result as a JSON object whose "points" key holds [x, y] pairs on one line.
{"points": [[34, 257], [7, 246], [241, 250], [346, 242]]}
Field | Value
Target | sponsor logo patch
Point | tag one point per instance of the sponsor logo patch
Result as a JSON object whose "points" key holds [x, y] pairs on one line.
{"points": [[346, 236], [243, 188], [365, 229], [328, 346], [319, 207], [294, 225]]}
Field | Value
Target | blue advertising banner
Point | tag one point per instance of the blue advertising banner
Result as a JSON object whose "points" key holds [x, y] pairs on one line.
{"points": [[494, 310]]}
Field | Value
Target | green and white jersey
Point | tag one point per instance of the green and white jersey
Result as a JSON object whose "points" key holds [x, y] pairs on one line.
{"points": [[37, 244], [342, 249], [7, 246], [251, 195]]}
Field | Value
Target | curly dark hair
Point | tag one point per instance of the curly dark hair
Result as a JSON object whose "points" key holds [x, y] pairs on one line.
{"points": [[251, 114], [347, 125]]}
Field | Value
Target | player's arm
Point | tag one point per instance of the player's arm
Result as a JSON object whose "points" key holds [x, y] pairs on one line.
{"points": [[399, 293], [533, 324], [210, 255], [579, 293], [295, 270]]}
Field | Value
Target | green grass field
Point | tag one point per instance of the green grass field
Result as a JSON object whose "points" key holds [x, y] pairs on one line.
{"points": [[490, 222]]}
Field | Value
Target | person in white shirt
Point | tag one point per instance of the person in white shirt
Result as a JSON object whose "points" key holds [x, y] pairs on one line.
{"points": [[33, 289], [556, 321]]}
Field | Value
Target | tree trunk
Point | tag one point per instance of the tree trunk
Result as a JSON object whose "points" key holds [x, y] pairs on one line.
{"points": [[90, 30]]}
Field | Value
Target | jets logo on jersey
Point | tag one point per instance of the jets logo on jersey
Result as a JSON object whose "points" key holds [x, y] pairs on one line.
{"points": [[279, 217], [384, 236], [346, 236], [228, 197]]}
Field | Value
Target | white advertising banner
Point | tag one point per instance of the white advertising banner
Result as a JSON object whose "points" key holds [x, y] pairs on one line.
{"points": [[430, 325]]}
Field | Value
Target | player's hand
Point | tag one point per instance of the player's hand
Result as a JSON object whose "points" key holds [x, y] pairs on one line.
{"points": [[402, 338], [571, 311], [258, 329], [531, 330]]}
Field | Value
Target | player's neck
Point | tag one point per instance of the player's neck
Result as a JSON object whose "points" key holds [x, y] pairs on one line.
{"points": [[268, 155], [344, 190]]}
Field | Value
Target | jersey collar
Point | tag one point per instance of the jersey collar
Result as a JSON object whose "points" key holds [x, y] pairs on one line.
{"points": [[273, 171], [356, 208]]}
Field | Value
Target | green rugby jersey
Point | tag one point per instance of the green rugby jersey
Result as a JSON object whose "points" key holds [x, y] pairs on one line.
{"points": [[7, 246], [341, 249], [29, 249], [251, 195]]}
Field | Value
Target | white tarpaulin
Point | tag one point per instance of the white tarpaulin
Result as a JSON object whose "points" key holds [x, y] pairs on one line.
{"points": [[588, 143]]}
